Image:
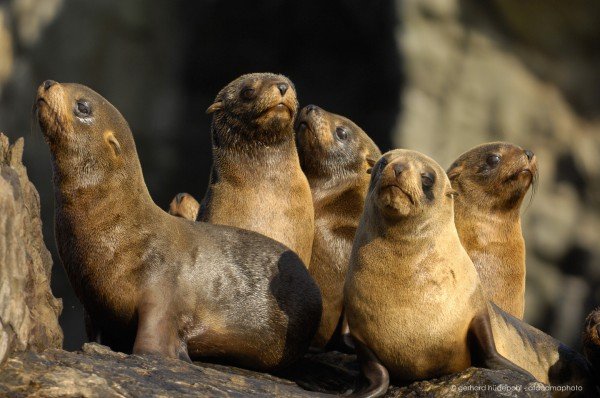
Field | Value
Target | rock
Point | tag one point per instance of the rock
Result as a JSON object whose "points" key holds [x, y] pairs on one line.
{"points": [[32, 16], [98, 372], [28, 310]]}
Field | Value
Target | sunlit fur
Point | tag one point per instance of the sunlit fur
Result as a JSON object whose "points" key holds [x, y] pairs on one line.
{"points": [[256, 180], [154, 283], [487, 217], [412, 291], [337, 173]]}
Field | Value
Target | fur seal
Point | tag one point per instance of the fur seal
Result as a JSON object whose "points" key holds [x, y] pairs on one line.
{"points": [[412, 295], [591, 340], [256, 181], [154, 283], [184, 205], [335, 155], [491, 181]]}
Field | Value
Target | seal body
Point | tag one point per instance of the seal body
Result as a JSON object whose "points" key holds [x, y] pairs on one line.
{"points": [[256, 180], [154, 283], [335, 155], [412, 295], [591, 341], [491, 181]]}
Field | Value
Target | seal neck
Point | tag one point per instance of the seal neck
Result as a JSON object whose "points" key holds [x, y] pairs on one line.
{"points": [[253, 142], [410, 231], [241, 152], [83, 183], [485, 227]]}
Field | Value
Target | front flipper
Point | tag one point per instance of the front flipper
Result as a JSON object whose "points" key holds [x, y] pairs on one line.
{"points": [[347, 340], [376, 375], [94, 335], [157, 332], [483, 348]]}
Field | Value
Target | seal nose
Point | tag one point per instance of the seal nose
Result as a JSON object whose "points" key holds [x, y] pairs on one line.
{"points": [[310, 108], [48, 84], [282, 88], [529, 154], [399, 168]]}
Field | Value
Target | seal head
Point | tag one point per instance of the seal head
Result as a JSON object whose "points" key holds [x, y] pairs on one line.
{"points": [[496, 175], [407, 184], [257, 108], [332, 146], [69, 115]]}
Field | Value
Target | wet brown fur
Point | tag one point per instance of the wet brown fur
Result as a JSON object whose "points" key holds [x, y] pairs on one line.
{"points": [[154, 283], [256, 179], [412, 292], [337, 173], [487, 217]]}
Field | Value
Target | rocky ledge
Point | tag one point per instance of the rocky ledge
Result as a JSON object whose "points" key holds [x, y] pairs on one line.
{"points": [[96, 371]]}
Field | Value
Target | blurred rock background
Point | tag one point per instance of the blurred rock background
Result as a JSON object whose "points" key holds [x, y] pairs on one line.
{"points": [[438, 76]]}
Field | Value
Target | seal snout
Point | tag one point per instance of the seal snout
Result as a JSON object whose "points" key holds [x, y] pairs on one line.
{"points": [[307, 119], [399, 168], [310, 108], [529, 154], [47, 84], [282, 87], [396, 188], [528, 166]]}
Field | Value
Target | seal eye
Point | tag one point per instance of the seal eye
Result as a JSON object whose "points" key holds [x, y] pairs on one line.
{"points": [[427, 180], [493, 160], [83, 108], [248, 93], [341, 133]]}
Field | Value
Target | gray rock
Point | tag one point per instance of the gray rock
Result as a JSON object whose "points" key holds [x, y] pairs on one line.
{"points": [[28, 310], [98, 372]]}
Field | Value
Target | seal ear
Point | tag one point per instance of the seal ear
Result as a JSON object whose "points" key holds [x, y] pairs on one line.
{"points": [[452, 193], [110, 139], [371, 162], [454, 171], [217, 106]]}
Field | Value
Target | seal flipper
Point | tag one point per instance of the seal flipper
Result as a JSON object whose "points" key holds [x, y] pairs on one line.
{"points": [[347, 339], [378, 378], [157, 332], [93, 333], [483, 348]]}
